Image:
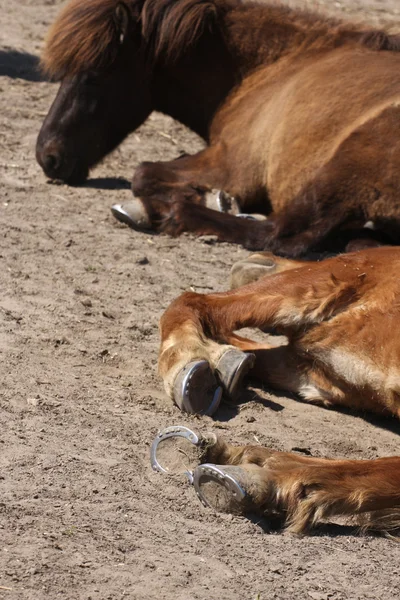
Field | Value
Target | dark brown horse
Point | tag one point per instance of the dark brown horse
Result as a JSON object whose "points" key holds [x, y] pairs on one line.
{"points": [[301, 114], [341, 318]]}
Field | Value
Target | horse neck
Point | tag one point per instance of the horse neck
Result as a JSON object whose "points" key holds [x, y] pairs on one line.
{"points": [[249, 36], [191, 90]]}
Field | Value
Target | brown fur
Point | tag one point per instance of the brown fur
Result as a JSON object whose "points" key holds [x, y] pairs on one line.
{"points": [[341, 317]]}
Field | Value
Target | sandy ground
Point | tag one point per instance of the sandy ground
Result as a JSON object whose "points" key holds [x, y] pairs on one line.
{"points": [[82, 516]]}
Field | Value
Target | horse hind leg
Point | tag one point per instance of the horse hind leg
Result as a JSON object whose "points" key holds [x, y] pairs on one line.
{"points": [[200, 372], [200, 329], [302, 490]]}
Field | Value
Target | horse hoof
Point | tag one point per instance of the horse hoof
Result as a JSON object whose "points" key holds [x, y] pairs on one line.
{"points": [[232, 368], [243, 274], [176, 450], [252, 216], [133, 214], [222, 202], [252, 269], [222, 488], [196, 389]]}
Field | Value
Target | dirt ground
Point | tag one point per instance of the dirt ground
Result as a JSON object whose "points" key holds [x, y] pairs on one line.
{"points": [[82, 516]]}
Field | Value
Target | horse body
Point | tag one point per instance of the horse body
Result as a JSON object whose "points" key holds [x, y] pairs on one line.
{"points": [[300, 114], [302, 123], [341, 317]]}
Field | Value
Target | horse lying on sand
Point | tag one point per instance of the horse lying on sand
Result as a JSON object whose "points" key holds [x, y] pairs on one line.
{"points": [[301, 114], [342, 320]]}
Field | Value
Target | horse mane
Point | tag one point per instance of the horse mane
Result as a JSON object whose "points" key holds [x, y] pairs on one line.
{"points": [[85, 36], [174, 26]]}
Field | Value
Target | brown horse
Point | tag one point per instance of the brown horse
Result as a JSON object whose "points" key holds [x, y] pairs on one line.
{"points": [[301, 114], [341, 317]]}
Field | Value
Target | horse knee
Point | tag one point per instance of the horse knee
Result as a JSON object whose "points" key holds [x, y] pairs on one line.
{"points": [[154, 178], [146, 179]]}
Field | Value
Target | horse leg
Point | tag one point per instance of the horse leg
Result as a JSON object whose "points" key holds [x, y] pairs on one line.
{"points": [[300, 490], [303, 490], [304, 225], [296, 232], [202, 179], [345, 191], [156, 185], [194, 326], [177, 196], [187, 195], [200, 220], [175, 216], [172, 197], [173, 200]]}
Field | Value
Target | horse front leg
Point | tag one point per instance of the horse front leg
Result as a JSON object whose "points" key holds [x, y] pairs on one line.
{"points": [[190, 195], [157, 185], [182, 216]]}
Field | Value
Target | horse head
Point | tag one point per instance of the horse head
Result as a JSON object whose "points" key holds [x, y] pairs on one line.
{"points": [[113, 60], [104, 93]]}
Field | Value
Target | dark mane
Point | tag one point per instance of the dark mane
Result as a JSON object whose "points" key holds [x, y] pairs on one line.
{"points": [[173, 26], [85, 36]]}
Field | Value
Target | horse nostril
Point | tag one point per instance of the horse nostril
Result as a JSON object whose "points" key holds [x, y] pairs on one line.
{"points": [[51, 162]]}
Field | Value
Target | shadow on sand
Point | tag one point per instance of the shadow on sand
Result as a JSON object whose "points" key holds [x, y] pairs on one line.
{"points": [[20, 65]]}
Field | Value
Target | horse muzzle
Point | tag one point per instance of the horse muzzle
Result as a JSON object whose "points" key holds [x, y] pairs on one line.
{"points": [[57, 165]]}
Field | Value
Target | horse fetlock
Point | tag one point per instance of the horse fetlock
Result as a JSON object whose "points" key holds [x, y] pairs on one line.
{"points": [[146, 179], [189, 380], [197, 375], [173, 221], [302, 496]]}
